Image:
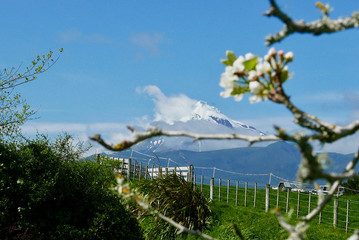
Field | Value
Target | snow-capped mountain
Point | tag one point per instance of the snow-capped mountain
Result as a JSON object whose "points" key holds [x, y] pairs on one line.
{"points": [[203, 111], [202, 118]]}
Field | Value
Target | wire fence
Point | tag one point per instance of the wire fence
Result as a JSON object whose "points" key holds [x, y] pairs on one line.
{"points": [[341, 212]]}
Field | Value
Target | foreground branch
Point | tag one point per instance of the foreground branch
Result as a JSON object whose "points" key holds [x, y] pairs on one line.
{"points": [[348, 169], [153, 132], [324, 25]]}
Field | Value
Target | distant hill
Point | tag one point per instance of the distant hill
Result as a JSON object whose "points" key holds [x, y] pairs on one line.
{"points": [[280, 158]]}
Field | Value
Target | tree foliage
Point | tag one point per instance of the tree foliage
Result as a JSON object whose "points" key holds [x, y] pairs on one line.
{"points": [[13, 109]]}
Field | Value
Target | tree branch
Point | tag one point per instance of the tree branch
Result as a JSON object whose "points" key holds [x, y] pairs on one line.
{"points": [[318, 27], [348, 169], [153, 132]]}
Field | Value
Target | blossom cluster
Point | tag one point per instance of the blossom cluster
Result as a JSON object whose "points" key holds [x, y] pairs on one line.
{"points": [[259, 76]]}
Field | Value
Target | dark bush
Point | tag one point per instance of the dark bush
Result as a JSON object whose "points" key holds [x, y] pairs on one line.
{"points": [[174, 197], [45, 193]]}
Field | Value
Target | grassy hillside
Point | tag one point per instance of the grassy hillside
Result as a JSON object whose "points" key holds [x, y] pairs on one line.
{"points": [[254, 223]]}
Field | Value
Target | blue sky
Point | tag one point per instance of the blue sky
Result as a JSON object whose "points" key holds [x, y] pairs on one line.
{"points": [[113, 49]]}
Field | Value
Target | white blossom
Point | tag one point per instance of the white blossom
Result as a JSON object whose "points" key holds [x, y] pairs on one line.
{"points": [[263, 67], [228, 78], [238, 65], [226, 93], [238, 97], [255, 99], [252, 75], [249, 56], [254, 87]]}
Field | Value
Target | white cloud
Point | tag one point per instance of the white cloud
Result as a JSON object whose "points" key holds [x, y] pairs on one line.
{"points": [[77, 36], [148, 42], [169, 109], [111, 132]]}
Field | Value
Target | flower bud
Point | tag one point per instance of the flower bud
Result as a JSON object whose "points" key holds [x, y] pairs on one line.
{"points": [[267, 57], [280, 52], [289, 56], [272, 52]]}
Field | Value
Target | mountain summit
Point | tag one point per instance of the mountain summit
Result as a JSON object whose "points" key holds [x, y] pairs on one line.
{"points": [[202, 118], [204, 111]]}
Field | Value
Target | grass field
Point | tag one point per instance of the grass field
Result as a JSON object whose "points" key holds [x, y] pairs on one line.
{"points": [[256, 224]]}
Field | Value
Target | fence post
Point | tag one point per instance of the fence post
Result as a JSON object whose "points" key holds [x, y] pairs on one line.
{"points": [[277, 204], [298, 204], [123, 167], [237, 186], [129, 169], [202, 183], [166, 171], [153, 169], [287, 203], [255, 196], [320, 217], [134, 170], [139, 175], [347, 217], [146, 172], [190, 174], [159, 174], [309, 202], [267, 197], [219, 189], [245, 194], [228, 184], [194, 182], [335, 213], [211, 185]]}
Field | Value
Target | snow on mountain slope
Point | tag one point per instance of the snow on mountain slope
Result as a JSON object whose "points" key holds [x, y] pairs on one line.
{"points": [[203, 119]]}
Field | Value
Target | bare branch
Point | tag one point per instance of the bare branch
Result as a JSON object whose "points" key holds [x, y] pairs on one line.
{"points": [[321, 205], [153, 132], [355, 235], [349, 169], [338, 132], [296, 232], [318, 27]]}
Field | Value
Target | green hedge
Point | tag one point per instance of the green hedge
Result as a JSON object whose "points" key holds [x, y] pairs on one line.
{"points": [[46, 194]]}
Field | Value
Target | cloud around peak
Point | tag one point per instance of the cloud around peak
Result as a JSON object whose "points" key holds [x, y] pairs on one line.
{"points": [[169, 108]]}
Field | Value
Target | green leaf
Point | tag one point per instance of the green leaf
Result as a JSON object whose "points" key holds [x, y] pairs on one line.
{"points": [[250, 64], [240, 90], [284, 76], [231, 57], [226, 62]]}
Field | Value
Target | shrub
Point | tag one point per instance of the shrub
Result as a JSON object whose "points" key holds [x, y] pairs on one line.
{"points": [[46, 195], [175, 198]]}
